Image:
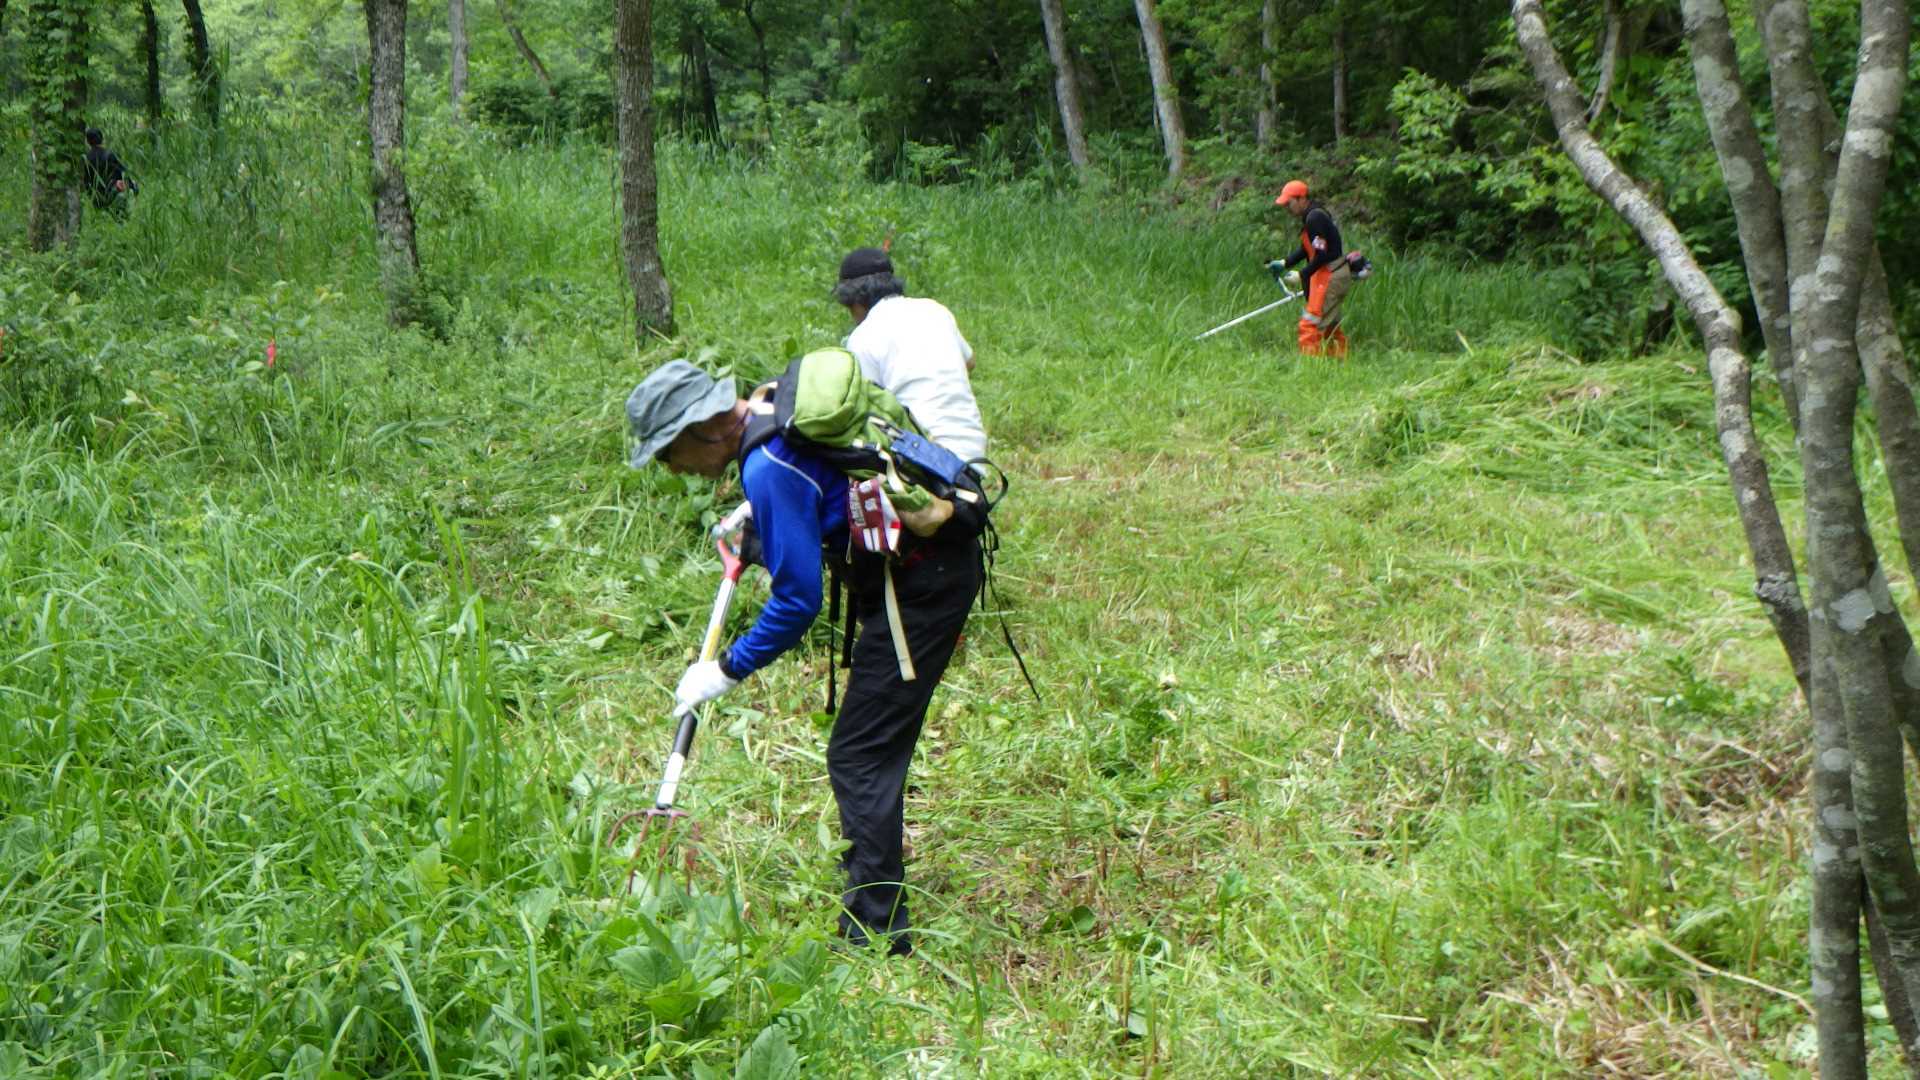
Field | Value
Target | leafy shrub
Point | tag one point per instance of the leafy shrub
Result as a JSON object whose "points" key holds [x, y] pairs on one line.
{"points": [[522, 110], [48, 369], [443, 175]]}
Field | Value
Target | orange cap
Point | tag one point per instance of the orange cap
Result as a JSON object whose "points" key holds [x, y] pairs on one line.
{"points": [[1294, 189]]}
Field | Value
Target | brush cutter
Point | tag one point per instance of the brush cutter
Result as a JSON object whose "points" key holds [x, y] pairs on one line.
{"points": [[1287, 299], [732, 566]]}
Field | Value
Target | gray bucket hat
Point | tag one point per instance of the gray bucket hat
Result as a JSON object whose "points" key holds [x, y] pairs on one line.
{"points": [[675, 396]]}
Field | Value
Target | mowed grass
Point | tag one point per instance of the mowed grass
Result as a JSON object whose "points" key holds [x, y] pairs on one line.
{"points": [[1402, 716]]}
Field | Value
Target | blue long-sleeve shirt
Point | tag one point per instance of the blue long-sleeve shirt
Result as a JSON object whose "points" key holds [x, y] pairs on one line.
{"points": [[799, 504]]}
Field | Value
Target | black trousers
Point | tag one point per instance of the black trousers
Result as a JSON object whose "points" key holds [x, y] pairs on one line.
{"points": [[879, 722]]}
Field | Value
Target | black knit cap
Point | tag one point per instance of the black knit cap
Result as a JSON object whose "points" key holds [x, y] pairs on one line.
{"points": [[860, 262]]}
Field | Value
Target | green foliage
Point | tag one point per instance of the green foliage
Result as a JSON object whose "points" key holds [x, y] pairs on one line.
{"points": [[327, 682], [445, 180], [520, 109], [49, 371]]}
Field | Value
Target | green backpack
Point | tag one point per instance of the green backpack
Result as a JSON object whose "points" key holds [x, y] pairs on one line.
{"points": [[824, 407]]}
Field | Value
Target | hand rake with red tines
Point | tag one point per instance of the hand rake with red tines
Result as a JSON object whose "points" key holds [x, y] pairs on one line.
{"points": [[663, 809]]}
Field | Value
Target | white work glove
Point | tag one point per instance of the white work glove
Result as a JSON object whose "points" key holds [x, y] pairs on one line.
{"points": [[702, 683], [1293, 282]]}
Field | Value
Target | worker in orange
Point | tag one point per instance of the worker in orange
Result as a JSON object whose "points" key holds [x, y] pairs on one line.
{"points": [[1327, 277]]}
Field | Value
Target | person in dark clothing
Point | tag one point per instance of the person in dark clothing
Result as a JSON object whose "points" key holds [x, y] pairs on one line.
{"points": [[1326, 276], [106, 177], [693, 423]]}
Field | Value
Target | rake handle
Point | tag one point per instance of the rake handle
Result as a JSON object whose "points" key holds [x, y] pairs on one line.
{"points": [[709, 650]]}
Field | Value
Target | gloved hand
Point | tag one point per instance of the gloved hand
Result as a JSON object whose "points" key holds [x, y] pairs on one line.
{"points": [[702, 683], [749, 550], [1276, 268], [1292, 282]]}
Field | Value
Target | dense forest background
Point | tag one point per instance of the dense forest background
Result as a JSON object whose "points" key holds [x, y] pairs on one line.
{"points": [[1415, 119]]}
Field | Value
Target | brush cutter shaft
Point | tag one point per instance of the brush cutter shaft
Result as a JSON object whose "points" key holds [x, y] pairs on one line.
{"points": [[1287, 299]]}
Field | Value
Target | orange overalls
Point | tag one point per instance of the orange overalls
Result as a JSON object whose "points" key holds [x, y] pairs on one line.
{"points": [[1320, 333]]}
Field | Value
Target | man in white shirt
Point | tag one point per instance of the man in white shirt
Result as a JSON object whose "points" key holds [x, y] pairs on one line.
{"points": [[912, 346]]}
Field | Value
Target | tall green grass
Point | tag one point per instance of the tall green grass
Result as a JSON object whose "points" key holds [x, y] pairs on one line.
{"points": [[1402, 716]]}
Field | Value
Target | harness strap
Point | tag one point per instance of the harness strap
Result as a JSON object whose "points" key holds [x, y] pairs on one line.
{"points": [[989, 544], [833, 623], [899, 631]]}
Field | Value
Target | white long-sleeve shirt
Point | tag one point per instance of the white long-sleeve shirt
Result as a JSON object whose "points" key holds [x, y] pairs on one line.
{"points": [[913, 347]]}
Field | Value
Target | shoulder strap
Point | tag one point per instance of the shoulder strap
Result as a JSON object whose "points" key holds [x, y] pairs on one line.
{"points": [[763, 415]]}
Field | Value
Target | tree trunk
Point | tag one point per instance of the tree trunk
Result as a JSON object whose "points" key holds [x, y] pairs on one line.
{"points": [[80, 26], [1860, 691], [206, 72], [386, 124], [639, 193], [1339, 75], [1066, 87], [57, 98], [1757, 204], [761, 64], [1809, 132], [696, 107], [150, 48], [1166, 97], [15, 72], [849, 33], [456, 55], [1610, 35], [1845, 576], [1833, 933], [1776, 583], [1263, 117], [1899, 1008], [526, 50], [1743, 163]]}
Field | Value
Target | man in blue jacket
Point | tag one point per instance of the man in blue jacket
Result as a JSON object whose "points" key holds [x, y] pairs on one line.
{"points": [[695, 424]]}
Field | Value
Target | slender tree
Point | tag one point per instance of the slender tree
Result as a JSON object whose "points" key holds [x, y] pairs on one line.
{"points": [[206, 70], [1611, 31], [849, 24], [1263, 117], [1066, 87], [526, 50], [1858, 652], [456, 55], [150, 48], [1166, 96], [696, 108], [762, 60], [386, 125], [639, 192], [1339, 71]]}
